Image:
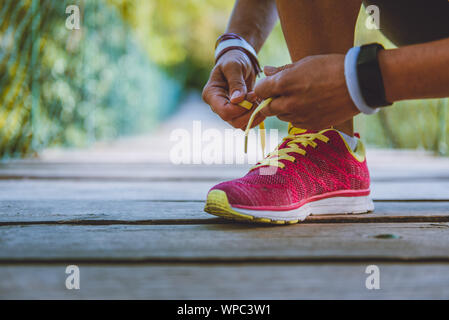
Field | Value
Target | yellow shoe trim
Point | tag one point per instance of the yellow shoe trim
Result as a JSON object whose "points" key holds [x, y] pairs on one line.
{"points": [[359, 153], [217, 204]]}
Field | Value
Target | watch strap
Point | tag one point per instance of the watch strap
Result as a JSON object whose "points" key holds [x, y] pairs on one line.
{"points": [[370, 76]]}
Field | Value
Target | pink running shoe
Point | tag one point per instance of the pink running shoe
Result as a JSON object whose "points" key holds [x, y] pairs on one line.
{"points": [[308, 173]]}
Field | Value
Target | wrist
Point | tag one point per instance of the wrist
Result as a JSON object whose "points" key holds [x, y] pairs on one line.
{"points": [[352, 82], [369, 74], [240, 57], [249, 37], [388, 64], [232, 41]]}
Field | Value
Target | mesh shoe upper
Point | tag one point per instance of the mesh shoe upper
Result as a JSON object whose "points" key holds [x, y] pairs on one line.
{"points": [[329, 167]]}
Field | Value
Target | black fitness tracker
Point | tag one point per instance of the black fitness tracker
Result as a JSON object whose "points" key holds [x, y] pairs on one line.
{"points": [[370, 77]]}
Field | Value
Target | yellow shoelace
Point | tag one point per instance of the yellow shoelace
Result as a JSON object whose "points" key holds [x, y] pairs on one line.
{"points": [[293, 146], [248, 105], [272, 159]]}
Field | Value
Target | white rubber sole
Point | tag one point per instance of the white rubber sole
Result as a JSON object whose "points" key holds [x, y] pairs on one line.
{"points": [[336, 205], [217, 204]]}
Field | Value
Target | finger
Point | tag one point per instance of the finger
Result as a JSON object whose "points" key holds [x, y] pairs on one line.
{"points": [[242, 122], [219, 102], [275, 107], [269, 87], [253, 98], [270, 70], [237, 87], [216, 86], [215, 94], [250, 81]]}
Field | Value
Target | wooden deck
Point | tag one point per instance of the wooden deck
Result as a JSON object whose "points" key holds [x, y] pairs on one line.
{"points": [[137, 230]]}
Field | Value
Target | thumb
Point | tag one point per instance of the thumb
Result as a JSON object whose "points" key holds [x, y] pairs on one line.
{"points": [[236, 83], [269, 70]]}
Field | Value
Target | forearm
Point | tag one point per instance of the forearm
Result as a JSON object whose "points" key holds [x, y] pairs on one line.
{"points": [[253, 20], [416, 72]]}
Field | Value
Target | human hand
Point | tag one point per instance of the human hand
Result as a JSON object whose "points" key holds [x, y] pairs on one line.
{"points": [[310, 93], [229, 83]]}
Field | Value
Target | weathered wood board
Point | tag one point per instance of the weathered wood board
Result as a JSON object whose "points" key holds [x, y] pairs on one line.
{"points": [[181, 190], [325, 242], [188, 212], [382, 169], [138, 230], [229, 281]]}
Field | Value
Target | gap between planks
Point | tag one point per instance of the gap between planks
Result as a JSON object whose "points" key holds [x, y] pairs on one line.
{"points": [[309, 220], [188, 178], [223, 261]]}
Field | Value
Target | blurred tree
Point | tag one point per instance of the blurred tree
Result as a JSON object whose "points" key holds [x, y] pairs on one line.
{"points": [[180, 35], [71, 87], [116, 75], [408, 124]]}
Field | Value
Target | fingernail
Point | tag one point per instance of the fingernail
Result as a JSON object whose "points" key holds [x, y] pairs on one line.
{"points": [[235, 94]]}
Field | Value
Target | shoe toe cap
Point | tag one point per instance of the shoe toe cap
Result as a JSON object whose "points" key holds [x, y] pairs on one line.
{"points": [[254, 195]]}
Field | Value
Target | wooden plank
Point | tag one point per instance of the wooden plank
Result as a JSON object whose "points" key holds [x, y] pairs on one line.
{"points": [[120, 172], [425, 211], [170, 172], [425, 190], [235, 281], [99, 210], [235, 242], [128, 211], [181, 190], [94, 190]]}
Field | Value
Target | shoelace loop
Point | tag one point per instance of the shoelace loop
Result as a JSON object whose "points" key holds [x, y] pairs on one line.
{"points": [[264, 103], [292, 146]]}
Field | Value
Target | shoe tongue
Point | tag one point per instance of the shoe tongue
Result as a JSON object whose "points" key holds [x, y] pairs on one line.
{"points": [[294, 130]]}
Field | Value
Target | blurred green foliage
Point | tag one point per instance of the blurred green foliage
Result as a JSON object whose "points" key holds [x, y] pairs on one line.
{"points": [[128, 66], [180, 35], [177, 35], [72, 87], [410, 124]]}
